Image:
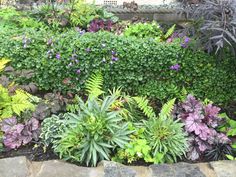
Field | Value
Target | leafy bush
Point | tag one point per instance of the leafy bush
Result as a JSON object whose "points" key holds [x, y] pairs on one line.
{"points": [[143, 30], [141, 67], [201, 122], [11, 18]]}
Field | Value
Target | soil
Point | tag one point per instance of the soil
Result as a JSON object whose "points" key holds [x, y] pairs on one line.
{"points": [[31, 152]]}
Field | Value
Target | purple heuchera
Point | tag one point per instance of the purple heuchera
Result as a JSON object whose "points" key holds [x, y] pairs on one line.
{"points": [[17, 134], [200, 122], [97, 25]]}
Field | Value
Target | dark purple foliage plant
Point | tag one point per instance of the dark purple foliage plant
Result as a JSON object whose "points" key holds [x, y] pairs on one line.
{"points": [[18, 134], [99, 24], [201, 121]]}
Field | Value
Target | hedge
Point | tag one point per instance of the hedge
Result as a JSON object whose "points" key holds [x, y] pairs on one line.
{"points": [[63, 62]]}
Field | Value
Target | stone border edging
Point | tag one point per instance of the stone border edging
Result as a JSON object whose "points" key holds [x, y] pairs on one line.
{"points": [[22, 167]]}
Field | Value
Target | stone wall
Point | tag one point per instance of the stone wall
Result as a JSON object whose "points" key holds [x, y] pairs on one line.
{"points": [[21, 167], [139, 2]]}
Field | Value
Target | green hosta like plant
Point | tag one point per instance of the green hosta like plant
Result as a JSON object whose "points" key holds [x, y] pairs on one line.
{"points": [[51, 127]]}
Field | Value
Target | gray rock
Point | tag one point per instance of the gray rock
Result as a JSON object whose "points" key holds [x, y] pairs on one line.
{"points": [[113, 169], [55, 168], [176, 170], [224, 168], [14, 167]]}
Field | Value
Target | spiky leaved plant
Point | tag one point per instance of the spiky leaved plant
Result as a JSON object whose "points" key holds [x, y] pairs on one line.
{"points": [[96, 129], [165, 135]]}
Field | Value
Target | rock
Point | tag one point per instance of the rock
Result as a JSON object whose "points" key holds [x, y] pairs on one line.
{"points": [[21, 167], [141, 171], [224, 168], [206, 169], [176, 170], [113, 169], [14, 167], [56, 168]]}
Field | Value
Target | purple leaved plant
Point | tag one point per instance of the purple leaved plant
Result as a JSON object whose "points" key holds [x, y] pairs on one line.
{"points": [[18, 134], [98, 24], [201, 122]]}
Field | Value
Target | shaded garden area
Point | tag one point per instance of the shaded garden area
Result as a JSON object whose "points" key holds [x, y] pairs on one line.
{"points": [[78, 83]]}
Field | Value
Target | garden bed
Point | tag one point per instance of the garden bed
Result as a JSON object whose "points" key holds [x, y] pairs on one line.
{"points": [[80, 85]]}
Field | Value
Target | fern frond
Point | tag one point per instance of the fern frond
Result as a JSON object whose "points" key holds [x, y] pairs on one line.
{"points": [[94, 85], [15, 104], [20, 102], [169, 32], [143, 105], [3, 63], [167, 108]]}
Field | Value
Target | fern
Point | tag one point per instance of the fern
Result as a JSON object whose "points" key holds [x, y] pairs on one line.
{"points": [[3, 63], [167, 108], [94, 85], [142, 103], [15, 104], [169, 32]]}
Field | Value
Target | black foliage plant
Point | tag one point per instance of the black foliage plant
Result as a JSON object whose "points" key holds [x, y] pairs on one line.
{"points": [[20, 79], [217, 29]]}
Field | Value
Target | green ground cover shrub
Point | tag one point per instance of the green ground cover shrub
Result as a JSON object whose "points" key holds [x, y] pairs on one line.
{"points": [[63, 62]]}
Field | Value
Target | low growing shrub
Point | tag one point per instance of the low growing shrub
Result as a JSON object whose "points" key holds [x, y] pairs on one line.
{"points": [[62, 62]]}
